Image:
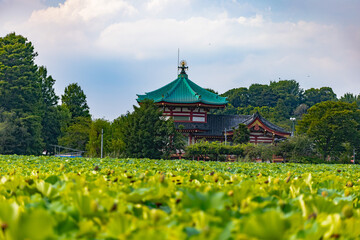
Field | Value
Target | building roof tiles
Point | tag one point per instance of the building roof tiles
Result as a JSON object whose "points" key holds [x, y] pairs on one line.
{"points": [[216, 124], [183, 90]]}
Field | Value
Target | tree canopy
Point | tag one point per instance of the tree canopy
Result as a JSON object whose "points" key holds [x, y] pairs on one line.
{"points": [[241, 134], [74, 99], [331, 124], [148, 134], [20, 99]]}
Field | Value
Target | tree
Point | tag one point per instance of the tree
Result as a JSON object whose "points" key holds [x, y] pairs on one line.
{"points": [[19, 96], [313, 96], [350, 98], [281, 110], [94, 145], [211, 90], [74, 99], [116, 144], [241, 134], [262, 152], [19, 89], [20, 134], [276, 101], [290, 93], [12, 132], [262, 95], [50, 113], [76, 135], [146, 134], [299, 148], [47, 91], [330, 124], [238, 97], [300, 110]]}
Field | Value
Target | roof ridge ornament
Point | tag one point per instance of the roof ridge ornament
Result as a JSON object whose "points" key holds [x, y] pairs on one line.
{"points": [[183, 66]]}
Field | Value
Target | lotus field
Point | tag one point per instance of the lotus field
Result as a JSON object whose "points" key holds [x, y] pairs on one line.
{"points": [[80, 198]]}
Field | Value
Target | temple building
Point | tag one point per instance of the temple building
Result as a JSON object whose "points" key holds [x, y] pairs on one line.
{"points": [[189, 106]]}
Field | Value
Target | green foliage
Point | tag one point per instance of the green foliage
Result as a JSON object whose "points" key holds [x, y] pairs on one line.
{"points": [[241, 134], [47, 93], [277, 101], [300, 110], [260, 95], [30, 121], [74, 99], [19, 133], [76, 135], [313, 96], [51, 114], [330, 124], [20, 101], [19, 88], [213, 150], [74, 119], [351, 98], [146, 133], [116, 143], [63, 198], [296, 149], [94, 145], [238, 97], [263, 152]]}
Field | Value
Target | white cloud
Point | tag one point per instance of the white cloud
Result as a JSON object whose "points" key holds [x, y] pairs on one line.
{"points": [[239, 49], [82, 10], [147, 38], [123, 28]]}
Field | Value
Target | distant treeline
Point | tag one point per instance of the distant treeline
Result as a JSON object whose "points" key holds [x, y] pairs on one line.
{"points": [[278, 101]]}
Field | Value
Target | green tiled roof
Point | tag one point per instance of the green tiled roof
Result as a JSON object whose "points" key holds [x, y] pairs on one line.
{"points": [[183, 90]]}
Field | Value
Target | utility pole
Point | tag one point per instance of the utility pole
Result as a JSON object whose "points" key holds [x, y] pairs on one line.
{"points": [[225, 136], [102, 142]]}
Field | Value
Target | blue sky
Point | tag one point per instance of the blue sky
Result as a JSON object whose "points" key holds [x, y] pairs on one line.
{"points": [[116, 49]]}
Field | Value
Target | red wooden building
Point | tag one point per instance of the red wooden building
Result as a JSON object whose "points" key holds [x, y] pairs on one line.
{"points": [[189, 105]]}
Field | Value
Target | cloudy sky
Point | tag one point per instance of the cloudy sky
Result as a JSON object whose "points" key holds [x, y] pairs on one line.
{"points": [[116, 49]]}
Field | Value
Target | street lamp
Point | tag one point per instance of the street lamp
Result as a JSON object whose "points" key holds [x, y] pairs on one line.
{"points": [[293, 126]]}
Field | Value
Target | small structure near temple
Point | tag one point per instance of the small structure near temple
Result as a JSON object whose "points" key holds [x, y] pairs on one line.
{"points": [[189, 105]]}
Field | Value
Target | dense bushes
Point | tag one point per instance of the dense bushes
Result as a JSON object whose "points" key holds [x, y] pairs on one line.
{"points": [[213, 150], [217, 151], [298, 149]]}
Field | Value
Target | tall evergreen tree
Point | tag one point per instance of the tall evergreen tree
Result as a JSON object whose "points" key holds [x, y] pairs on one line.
{"points": [[74, 99], [51, 113], [76, 133], [19, 88], [19, 97]]}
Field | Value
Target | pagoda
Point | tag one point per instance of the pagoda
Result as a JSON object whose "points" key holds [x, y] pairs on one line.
{"points": [[189, 104], [183, 100]]}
